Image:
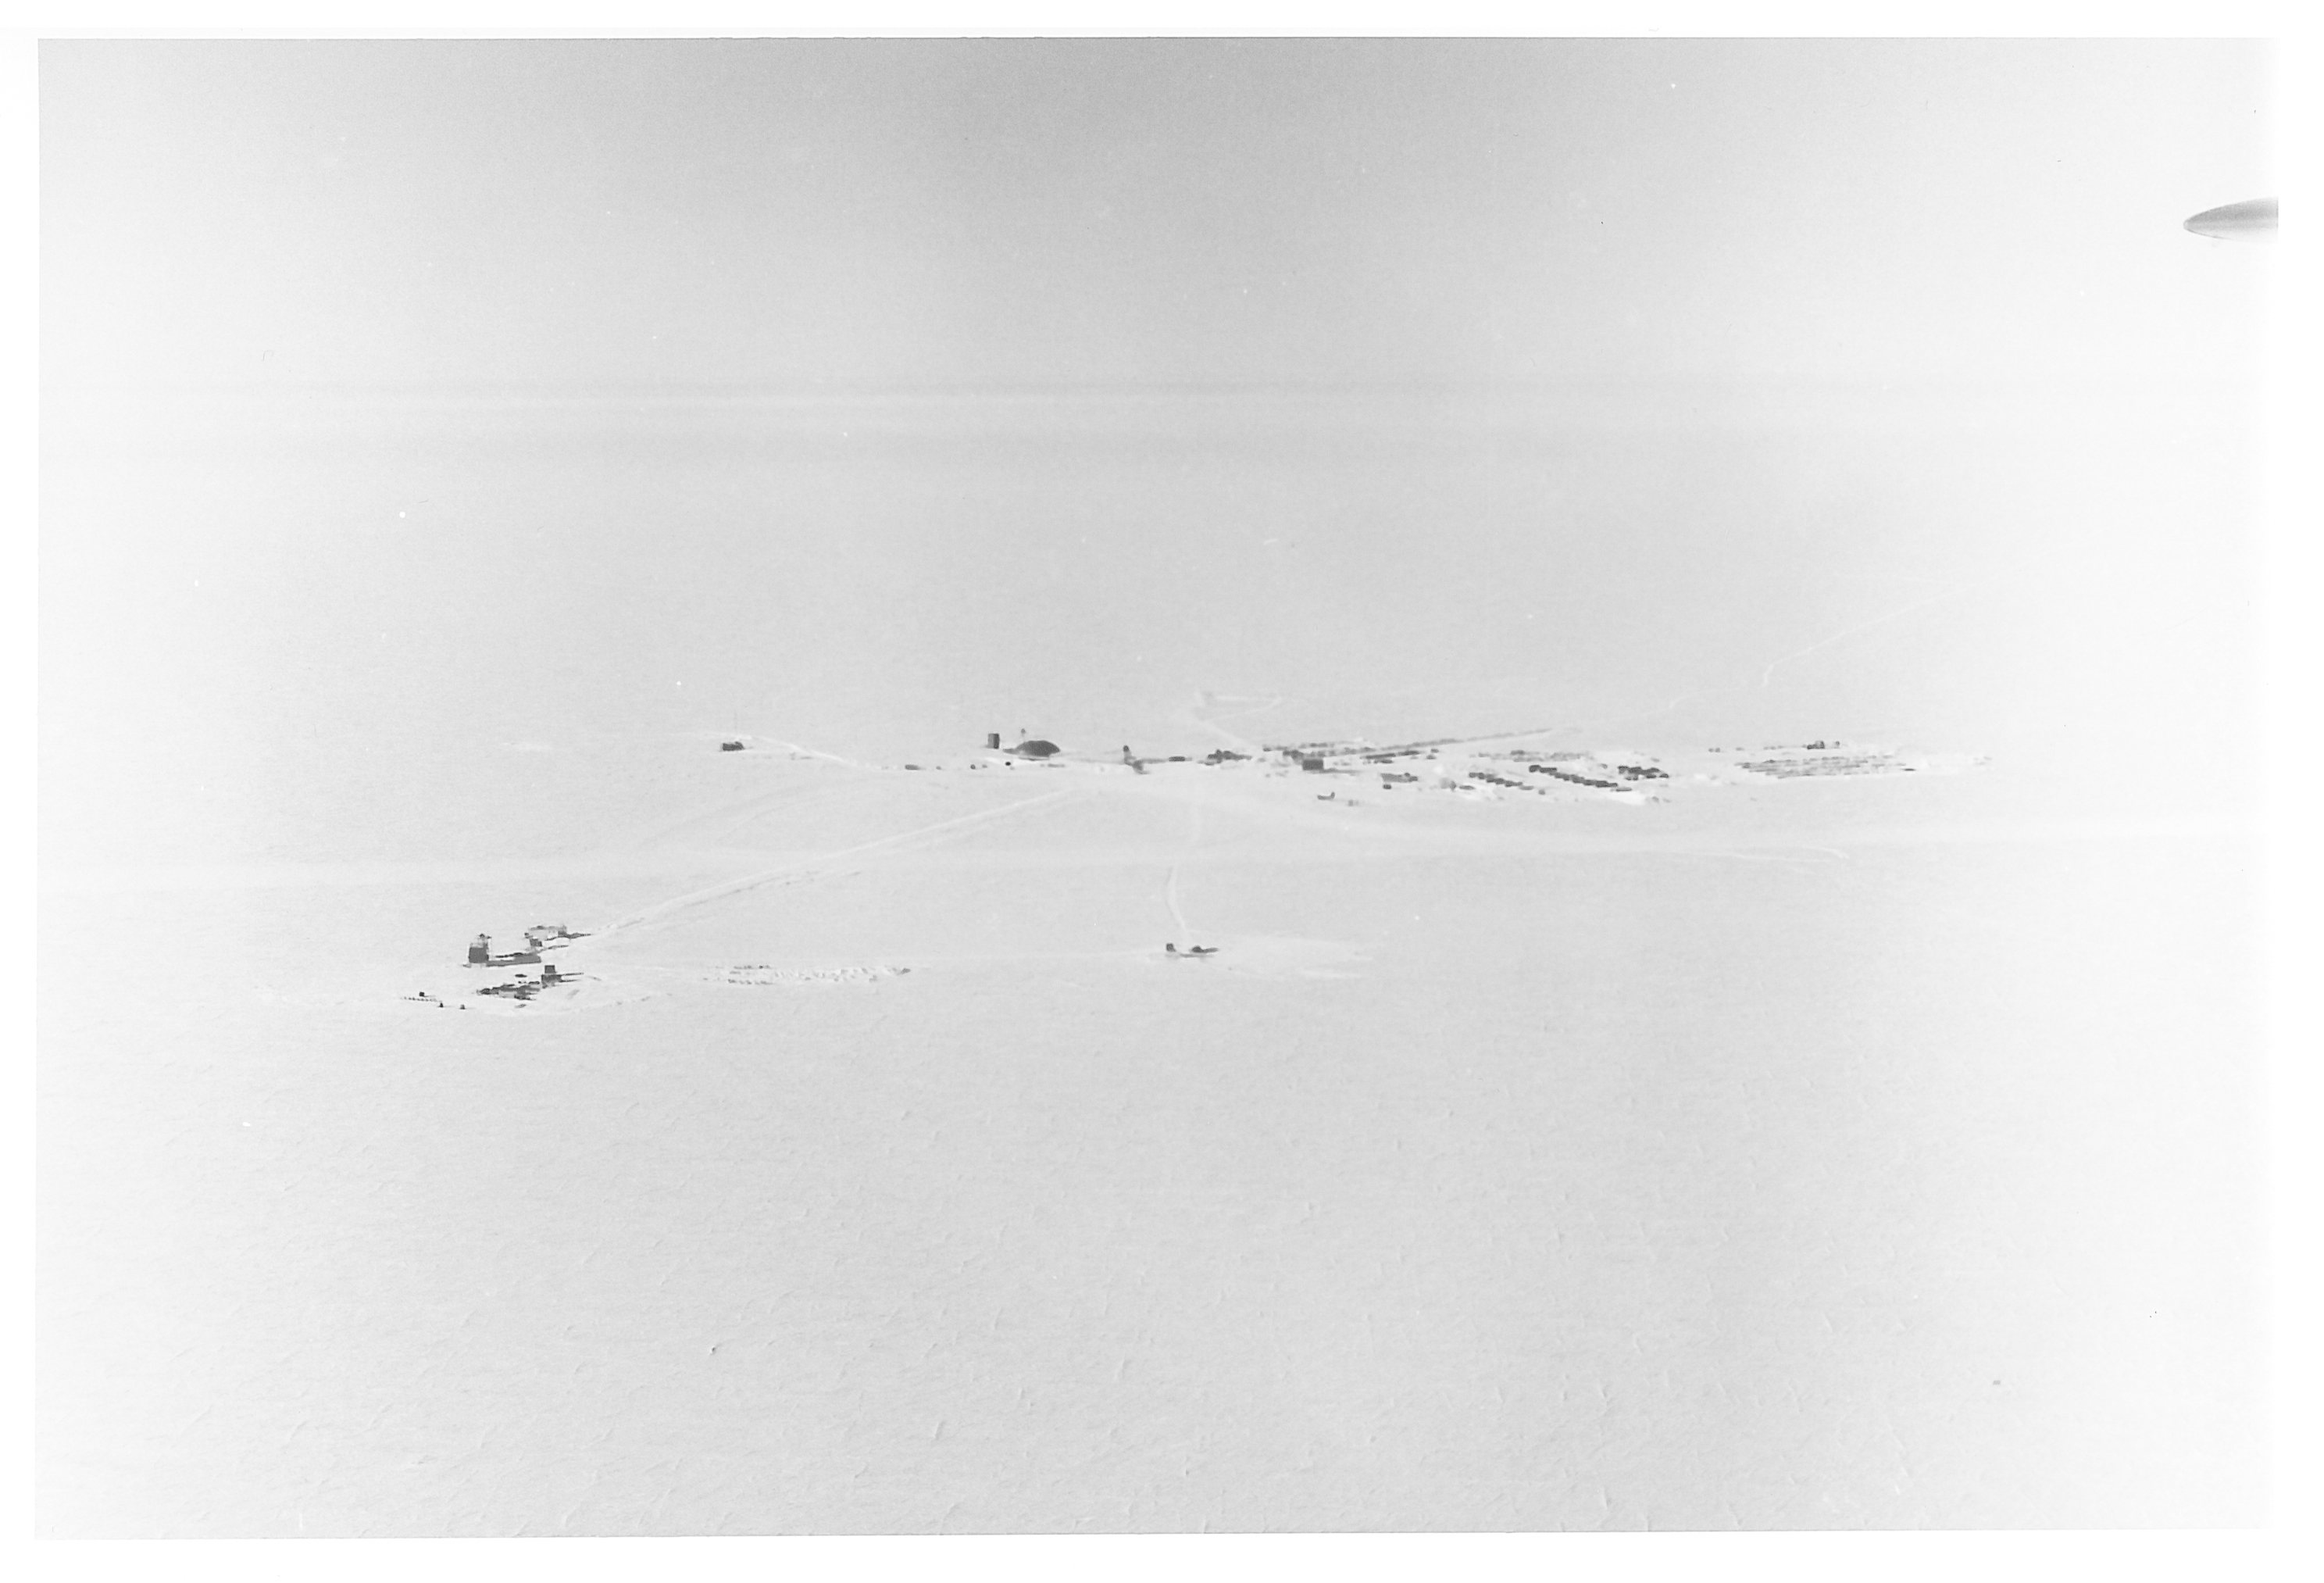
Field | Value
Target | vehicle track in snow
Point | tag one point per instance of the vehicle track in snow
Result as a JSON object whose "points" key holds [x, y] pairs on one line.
{"points": [[806, 867]]}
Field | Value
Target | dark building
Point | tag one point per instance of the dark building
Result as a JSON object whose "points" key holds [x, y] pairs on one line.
{"points": [[480, 950], [1035, 747]]}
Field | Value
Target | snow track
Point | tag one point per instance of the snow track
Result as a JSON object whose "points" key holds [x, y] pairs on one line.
{"points": [[903, 841]]}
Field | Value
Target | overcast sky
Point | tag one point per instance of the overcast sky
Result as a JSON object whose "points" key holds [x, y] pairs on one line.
{"points": [[1131, 211]]}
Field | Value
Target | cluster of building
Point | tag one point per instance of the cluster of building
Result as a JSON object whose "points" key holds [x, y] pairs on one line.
{"points": [[1030, 747], [541, 937], [1342, 758], [1339, 757], [1847, 763], [521, 988], [1568, 776]]}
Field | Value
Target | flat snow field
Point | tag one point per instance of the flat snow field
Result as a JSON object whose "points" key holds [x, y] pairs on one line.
{"points": [[1842, 1159]]}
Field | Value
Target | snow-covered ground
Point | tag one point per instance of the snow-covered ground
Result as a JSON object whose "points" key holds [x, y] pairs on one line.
{"points": [[1731, 1149], [1520, 1165]]}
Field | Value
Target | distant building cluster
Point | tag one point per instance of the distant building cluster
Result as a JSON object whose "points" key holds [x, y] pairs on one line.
{"points": [[1471, 769], [539, 937], [1850, 764]]}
